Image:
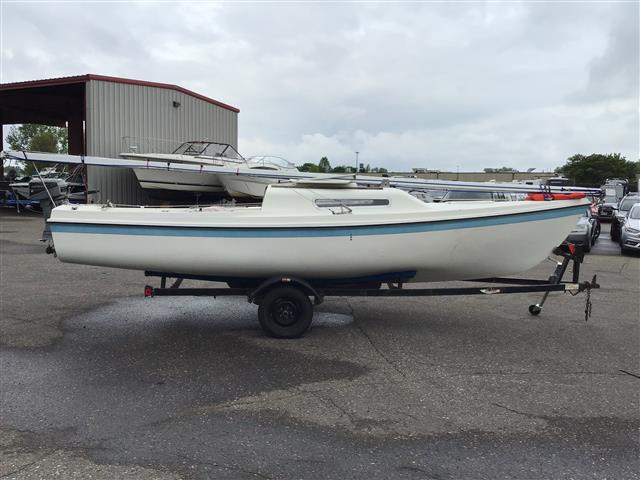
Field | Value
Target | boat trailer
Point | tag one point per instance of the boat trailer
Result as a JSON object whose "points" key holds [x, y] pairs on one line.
{"points": [[285, 309]]}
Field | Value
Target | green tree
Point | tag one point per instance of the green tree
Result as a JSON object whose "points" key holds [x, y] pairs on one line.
{"points": [[324, 165], [339, 169], [309, 167], [382, 170], [592, 170], [37, 138]]}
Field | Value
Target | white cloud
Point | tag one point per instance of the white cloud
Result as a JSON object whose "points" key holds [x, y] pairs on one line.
{"points": [[469, 84]]}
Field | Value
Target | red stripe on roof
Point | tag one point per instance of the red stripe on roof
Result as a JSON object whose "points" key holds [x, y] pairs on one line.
{"points": [[49, 82]]}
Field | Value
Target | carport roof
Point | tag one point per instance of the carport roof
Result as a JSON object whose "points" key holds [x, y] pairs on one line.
{"points": [[82, 79]]}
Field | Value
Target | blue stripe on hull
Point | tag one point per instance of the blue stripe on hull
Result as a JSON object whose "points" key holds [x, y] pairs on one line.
{"points": [[337, 231]]}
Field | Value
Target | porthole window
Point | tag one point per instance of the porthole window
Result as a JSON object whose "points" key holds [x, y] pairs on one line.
{"points": [[351, 202]]}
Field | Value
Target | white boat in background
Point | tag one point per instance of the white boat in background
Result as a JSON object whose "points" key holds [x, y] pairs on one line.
{"points": [[202, 153], [52, 177], [58, 183], [245, 184], [319, 230], [434, 188]]}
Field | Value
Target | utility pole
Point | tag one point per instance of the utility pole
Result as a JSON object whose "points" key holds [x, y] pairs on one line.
{"points": [[357, 161]]}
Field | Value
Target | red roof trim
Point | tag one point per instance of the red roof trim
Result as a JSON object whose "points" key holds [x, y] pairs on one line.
{"points": [[103, 78]]}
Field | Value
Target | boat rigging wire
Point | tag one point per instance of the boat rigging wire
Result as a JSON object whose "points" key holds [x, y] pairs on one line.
{"points": [[40, 177]]}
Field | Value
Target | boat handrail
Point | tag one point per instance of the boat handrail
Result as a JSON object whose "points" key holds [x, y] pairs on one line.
{"points": [[109, 204]]}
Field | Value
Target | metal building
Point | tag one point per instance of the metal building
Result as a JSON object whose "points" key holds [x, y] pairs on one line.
{"points": [[108, 115]]}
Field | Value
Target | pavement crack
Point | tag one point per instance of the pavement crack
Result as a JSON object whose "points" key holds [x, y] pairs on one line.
{"points": [[254, 401], [332, 402], [373, 345], [27, 465], [623, 267], [528, 415], [629, 373]]}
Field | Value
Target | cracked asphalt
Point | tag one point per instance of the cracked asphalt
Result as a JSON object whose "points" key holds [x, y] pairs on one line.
{"points": [[98, 382]]}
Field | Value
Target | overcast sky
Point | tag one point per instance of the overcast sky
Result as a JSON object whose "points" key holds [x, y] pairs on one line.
{"points": [[438, 85]]}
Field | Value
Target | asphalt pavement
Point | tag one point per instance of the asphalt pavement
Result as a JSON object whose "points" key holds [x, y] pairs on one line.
{"points": [[604, 245], [98, 382]]}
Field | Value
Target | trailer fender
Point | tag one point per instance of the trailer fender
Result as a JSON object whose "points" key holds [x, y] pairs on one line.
{"points": [[255, 295]]}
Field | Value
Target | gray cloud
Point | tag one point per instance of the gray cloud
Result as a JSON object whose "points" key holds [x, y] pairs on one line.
{"points": [[616, 73], [440, 85]]}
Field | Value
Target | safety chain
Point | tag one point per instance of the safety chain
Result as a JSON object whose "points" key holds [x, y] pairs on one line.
{"points": [[587, 305]]}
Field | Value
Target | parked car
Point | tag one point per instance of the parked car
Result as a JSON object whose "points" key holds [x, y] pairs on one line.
{"points": [[620, 213], [630, 231], [607, 206], [586, 231], [614, 189]]}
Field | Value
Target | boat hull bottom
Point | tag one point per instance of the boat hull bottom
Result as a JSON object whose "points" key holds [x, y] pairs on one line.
{"points": [[152, 180], [244, 186], [458, 254]]}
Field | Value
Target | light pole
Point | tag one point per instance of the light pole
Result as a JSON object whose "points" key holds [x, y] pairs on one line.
{"points": [[357, 161]]}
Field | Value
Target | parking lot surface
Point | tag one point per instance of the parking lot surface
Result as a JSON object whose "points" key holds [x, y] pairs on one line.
{"points": [[98, 382]]}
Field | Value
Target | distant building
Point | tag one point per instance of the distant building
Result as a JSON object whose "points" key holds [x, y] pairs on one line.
{"points": [[107, 115]]}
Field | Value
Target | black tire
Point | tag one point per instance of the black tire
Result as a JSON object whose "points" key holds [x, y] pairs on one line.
{"points": [[587, 244], [597, 228], [534, 310], [285, 312], [615, 231]]}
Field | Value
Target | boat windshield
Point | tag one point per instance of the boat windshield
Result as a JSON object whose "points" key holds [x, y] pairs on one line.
{"points": [[270, 163], [470, 195], [209, 149]]}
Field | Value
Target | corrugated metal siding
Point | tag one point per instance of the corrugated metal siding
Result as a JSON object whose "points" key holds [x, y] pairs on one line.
{"points": [[116, 111]]}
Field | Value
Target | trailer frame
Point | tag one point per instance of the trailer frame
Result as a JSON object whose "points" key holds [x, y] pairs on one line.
{"points": [[284, 313]]}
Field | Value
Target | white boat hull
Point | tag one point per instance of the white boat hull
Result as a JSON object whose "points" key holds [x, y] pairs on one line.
{"points": [[171, 180], [246, 186], [434, 256], [434, 242]]}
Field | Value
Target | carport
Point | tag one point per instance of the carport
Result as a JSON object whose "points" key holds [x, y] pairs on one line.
{"points": [[56, 102]]}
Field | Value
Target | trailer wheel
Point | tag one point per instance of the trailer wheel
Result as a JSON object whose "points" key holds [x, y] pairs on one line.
{"points": [[285, 312]]}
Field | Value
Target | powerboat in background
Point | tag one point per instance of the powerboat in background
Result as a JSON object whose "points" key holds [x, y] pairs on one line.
{"points": [[199, 153], [242, 184], [52, 177], [58, 183], [319, 230]]}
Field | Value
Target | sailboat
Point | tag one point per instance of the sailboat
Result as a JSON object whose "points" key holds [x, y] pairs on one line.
{"points": [[314, 229]]}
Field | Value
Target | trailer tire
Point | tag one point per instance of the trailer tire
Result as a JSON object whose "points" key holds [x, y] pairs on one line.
{"points": [[285, 312]]}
